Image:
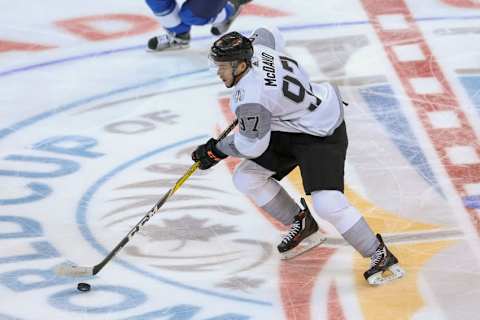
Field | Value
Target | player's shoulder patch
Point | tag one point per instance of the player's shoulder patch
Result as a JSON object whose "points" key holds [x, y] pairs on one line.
{"points": [[239, 95], [248, 90]]}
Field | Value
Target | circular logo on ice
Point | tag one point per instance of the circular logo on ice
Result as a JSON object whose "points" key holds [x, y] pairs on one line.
{"points": [[196, 232], [84, 178]]}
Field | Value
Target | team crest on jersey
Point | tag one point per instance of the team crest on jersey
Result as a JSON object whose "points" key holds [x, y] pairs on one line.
{"points": [[239, 95]]}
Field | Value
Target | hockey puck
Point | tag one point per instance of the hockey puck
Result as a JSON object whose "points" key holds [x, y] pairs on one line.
{"points": [[82, 286]]}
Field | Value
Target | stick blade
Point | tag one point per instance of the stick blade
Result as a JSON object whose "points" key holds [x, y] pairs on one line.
{"points": [[68, 270]]}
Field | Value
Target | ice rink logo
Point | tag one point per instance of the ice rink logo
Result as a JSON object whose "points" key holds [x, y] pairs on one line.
{"points": [[181, 236], [61, 167]]}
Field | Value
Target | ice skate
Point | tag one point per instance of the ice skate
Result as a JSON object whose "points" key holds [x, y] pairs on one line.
{"points": [[169, 41], [222, 27], [384, 267], [302, 236]]}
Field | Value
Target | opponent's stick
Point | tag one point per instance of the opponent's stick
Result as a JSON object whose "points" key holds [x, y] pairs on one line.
{"points": [[81, 271]]}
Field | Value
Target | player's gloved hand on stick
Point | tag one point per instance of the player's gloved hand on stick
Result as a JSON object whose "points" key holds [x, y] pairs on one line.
{"points": [[208, 154]]}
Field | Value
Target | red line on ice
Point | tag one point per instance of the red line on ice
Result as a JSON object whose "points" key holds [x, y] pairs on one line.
{"points": [[404, 31]]}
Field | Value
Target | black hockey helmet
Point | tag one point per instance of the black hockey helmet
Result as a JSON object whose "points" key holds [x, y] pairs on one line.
{"points": [[231, 47]]}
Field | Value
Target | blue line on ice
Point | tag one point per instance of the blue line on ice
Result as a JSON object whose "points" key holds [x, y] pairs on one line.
{"points": [[32, 120], [142, 46], [66, 107]]}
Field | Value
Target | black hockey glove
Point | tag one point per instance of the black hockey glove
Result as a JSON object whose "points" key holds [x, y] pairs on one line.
{"points": [[208, 154]]}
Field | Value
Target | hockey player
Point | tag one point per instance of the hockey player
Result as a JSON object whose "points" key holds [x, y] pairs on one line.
{"points": [[286, 121], [178, 21]]}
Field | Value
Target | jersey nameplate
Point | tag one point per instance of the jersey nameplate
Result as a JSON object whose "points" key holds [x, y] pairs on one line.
{"points": [[268, 66]]}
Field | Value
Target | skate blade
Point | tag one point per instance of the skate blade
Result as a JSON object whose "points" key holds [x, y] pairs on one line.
{"points": [[180, 47], [379, 278], [307, 244]]}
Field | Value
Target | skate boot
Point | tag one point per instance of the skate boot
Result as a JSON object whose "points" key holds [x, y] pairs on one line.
{"points": [[383, 261], [302, 236], [169, 41], [222, 27]]}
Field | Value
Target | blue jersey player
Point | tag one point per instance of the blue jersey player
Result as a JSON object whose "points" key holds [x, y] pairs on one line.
{"points": [[177, 21]]}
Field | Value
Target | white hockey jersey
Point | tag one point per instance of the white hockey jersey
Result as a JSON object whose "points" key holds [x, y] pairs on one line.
{"points": [[276, 94]]}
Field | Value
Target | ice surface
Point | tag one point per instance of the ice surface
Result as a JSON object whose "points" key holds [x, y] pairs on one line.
{"points": [[94, 130]]}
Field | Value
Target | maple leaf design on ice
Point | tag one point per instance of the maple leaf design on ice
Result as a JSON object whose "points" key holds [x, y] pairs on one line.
{"points": [[244, 284], [184, 229]]}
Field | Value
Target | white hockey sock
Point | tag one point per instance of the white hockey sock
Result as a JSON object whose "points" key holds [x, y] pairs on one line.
{"points": [[170, 19], [333, 206], [361, 238], [282, 207], [257, 183]]}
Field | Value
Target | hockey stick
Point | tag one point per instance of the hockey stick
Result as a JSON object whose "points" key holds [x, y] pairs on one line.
{"points": [[81, 271]]}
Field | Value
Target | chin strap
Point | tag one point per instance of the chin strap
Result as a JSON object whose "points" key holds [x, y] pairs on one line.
{"points": [[236, 77]]}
